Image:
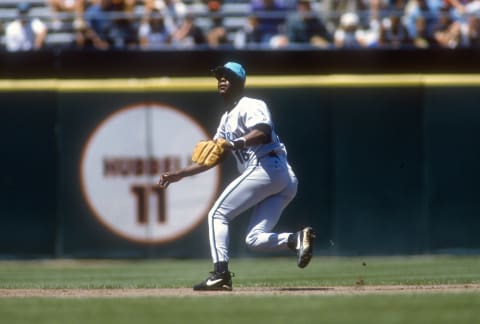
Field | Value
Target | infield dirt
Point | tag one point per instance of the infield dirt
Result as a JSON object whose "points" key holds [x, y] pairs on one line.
{"points": [[182, 292]]}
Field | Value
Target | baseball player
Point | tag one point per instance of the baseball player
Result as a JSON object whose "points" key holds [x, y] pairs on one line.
{"points": [[266, 183]]}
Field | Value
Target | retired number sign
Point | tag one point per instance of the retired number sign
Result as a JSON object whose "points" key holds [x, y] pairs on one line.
{"points": [[121, 164]]}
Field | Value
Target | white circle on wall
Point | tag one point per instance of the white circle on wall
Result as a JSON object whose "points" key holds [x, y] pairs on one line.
{"points": [[120, 166]]}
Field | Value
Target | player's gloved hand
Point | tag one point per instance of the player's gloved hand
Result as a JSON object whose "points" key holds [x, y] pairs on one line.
{"points": [[209, 153]]}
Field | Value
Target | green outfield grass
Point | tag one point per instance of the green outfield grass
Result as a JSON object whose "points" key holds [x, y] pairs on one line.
{"points": [[269, 272], [463, 308], [459, 307]]}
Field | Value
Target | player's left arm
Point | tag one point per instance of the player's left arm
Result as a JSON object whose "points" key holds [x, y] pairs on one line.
{"points": [[260, 134], [259, 121]]}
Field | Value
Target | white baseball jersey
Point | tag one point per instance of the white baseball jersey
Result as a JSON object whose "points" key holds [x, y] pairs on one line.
{"points": [[240, 121], [266, 183]]}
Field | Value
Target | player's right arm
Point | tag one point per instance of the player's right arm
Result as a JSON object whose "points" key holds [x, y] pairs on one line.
{"points": [[190, 170]]}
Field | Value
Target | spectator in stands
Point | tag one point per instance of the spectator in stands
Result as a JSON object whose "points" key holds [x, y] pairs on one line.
{"points": [[109, 23], [471, 32], [188, 34], [250, 34], [369, 20], [124, 33], [95, 32], [451, 37], [269, 17], [349, 34], [333, 9], [25, 33], [153, 32], [422, 38], [173, 11], [217, 33], [393, 33], [305, 27], [421, 15], [447, 32], [64, 11], [457, 7]]}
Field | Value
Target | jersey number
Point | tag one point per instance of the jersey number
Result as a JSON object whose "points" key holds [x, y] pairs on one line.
{"points": [[242, 155]]}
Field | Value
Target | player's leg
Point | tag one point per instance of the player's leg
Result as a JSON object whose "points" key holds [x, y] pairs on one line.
{"points": [[264, 218], [247, 190]]}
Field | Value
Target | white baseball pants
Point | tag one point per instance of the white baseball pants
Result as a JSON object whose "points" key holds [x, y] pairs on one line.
{"points": [[269, 186]]}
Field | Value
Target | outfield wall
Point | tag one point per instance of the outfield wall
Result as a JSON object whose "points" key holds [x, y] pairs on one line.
{"points": [[388, 164]]}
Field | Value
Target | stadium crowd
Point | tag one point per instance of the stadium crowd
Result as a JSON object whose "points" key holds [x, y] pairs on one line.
{"points": [[270, 24]]}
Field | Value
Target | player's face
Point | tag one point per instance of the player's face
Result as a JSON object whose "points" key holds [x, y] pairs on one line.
{"points": [[223, 85]]}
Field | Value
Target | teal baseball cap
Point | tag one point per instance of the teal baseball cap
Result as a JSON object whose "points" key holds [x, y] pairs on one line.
{"points": [[232, 69]]}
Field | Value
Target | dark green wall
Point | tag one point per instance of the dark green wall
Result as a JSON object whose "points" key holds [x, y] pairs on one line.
{"points": [[29, 177], [382, 170]]}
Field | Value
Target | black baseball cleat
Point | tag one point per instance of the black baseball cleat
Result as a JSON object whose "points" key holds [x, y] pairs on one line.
{"points": [[216, 281], [304, 246]]}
